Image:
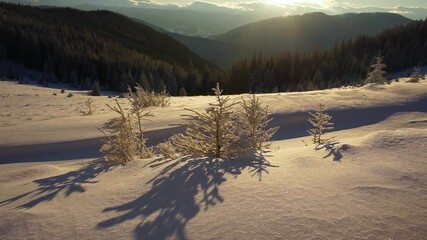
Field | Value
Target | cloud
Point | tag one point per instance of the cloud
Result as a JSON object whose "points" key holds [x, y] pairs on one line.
{"points": [[137, 2], [400, 12]]}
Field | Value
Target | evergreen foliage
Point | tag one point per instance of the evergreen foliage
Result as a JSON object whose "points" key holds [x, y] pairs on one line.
{"points": [[83, 47], [347, 63], [321, 123], [213, 133], [253, 120], [222, 132], [182, 92], [416, 75], [96, 90], [72, 45], [377, 73]]}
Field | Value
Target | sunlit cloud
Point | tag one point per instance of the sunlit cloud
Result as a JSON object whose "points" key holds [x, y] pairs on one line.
{"points": [[311, 3], [137, 2], [400, 11]]}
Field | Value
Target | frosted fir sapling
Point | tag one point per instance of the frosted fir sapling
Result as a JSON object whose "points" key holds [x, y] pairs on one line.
{"points": [[416, 75], [212, 133], [221, 131], [254, 120], [321, 123], [377, 73]]}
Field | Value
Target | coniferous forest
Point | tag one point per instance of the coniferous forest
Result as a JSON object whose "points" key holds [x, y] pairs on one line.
{"points": [[81, 48], [346, 64], [87, 48]]}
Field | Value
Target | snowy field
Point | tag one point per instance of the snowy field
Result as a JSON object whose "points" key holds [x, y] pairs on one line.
{"points": [[369, 183]]}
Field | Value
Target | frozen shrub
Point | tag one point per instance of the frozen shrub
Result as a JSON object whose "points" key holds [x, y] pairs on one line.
{"points": [[139, 115], [148, 99], [119, 142], [168, 150], [87, 107], [124, 135], [321, 122]]}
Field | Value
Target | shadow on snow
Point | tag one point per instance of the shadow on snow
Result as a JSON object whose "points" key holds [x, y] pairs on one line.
{"points": [[68, 183], [172, 202], [332, 148]]}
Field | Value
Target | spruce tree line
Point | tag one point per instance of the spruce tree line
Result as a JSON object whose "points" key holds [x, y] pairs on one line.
{"points": [[348, 63]]}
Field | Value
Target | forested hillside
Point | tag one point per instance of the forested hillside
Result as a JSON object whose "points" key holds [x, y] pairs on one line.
{"points": [[347, 63], [80, 47], [308, 31]]}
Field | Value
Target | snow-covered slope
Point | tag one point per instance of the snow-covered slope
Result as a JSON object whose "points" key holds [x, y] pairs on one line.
{"points": [[370, 183]]}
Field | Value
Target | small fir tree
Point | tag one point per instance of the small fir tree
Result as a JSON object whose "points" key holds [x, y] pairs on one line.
{"points": [[96, 90], [377, 73], [182, 92], [254, 120], [321, 123], [212, 133], [415, 76]]}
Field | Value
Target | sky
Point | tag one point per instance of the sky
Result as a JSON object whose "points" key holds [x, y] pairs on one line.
{"points": [[414, 9], [311, 3], [326, 3]]}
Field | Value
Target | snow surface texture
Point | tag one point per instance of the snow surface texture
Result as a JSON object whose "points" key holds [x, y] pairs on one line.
{"points": [[370, 183]]}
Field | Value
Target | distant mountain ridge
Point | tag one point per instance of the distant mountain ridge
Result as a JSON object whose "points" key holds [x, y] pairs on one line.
{"points": [[308, 31], [185, 21], [272, 36]]}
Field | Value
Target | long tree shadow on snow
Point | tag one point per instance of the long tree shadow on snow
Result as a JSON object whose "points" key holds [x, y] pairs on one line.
{"points": [[172, 201], [333, 150], [68, 183]]}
